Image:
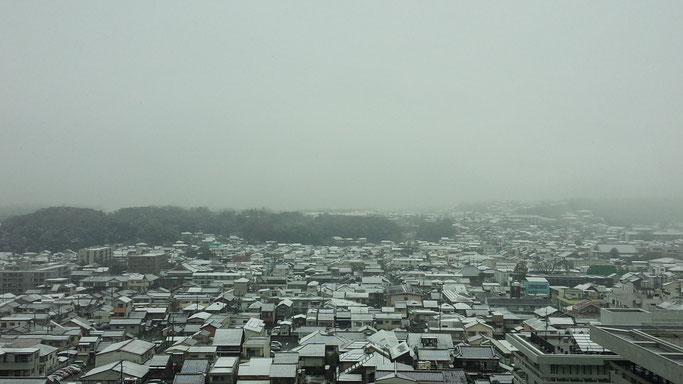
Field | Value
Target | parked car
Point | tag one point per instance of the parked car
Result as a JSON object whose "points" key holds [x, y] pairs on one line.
{"points": [[63, 373]]}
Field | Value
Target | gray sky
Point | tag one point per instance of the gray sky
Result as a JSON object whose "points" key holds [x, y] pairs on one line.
{"points": [[383, 104]]}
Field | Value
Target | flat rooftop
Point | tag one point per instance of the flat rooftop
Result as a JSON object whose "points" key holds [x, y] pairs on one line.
{"points": [[649, 347]]}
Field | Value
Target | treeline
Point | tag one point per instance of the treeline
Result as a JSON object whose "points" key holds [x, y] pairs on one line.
{"points": [[60, 228], [433, 230]]}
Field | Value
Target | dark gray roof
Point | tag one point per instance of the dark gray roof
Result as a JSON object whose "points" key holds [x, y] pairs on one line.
{"points": [[158, 361], [195, 366], [621, 248], [470, 271], [448, 377], [454, 376], [494, 301], [401, 289], [467, 352], [194, 378]]}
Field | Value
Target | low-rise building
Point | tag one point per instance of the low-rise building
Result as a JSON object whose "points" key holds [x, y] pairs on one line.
{"points": [[18, 281], [92, 255], [152, 263], [648, 355], [111, 373], [546, 359], [224, 371], [228, 341], [136, 351], [18, 362]]}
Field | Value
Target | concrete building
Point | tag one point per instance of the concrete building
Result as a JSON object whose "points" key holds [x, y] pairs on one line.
{"points": [[637, 317], [649, 355], [48, 359], [558, 359], [536, 286], [641, 293], [99, 255], [19, 362], [21, 280], [148, 263]]}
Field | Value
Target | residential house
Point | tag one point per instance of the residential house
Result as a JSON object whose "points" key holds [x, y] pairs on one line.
{"points": [[134, 350], [111, 373]]}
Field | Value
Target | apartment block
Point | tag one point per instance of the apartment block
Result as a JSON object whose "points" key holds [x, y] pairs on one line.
{"points": [[99, 255]]}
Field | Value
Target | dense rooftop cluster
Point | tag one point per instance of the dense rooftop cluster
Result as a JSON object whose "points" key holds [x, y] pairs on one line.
{"points": [[505, 298]]}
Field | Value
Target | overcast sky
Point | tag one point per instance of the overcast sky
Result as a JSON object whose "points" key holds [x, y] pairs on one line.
{"points": [[374, 104]]}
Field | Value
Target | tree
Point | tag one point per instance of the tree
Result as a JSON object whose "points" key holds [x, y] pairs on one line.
{"points": [[614, 253], [61, 228], [521, 269], [434, 230], [549, 266], [205, 253], [116, 269], [191, 253]]}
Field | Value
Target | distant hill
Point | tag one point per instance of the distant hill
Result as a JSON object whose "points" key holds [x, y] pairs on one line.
{"points": [[618, 212], [14, 210], [545, 209], [627, 212], [60, 228], [56, 229]]}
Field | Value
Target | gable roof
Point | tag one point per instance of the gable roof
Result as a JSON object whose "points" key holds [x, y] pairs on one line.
{"points": [[134, 346], [469, 352], [129, 369]]}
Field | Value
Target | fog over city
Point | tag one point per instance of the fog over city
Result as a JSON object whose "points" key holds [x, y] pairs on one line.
{"points": [[308, 104]]}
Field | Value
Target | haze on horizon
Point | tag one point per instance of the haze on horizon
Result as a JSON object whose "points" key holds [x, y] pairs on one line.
{"points": [[307, 104]]}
